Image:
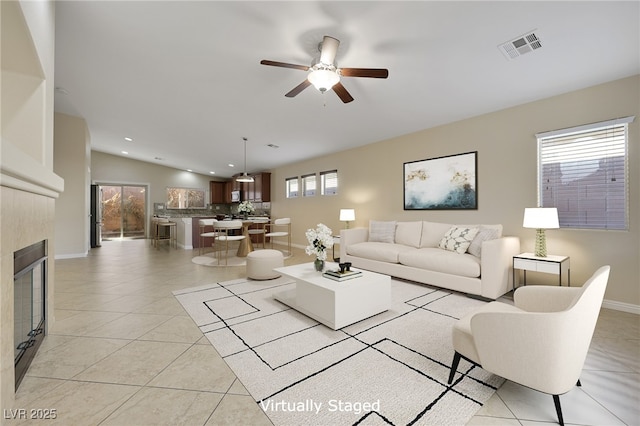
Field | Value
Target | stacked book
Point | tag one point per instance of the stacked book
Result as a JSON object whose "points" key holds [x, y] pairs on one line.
{"points": [[342, 276]]}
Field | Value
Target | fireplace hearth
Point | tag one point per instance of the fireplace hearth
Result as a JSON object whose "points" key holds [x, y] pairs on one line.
{"points": [[30, 284]]}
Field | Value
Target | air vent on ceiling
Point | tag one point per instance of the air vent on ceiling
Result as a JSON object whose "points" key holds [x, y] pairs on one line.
{"points": [[521, 45]]}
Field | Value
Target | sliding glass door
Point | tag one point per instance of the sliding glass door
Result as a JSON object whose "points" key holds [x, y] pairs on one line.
{"points": [[123, 211]]}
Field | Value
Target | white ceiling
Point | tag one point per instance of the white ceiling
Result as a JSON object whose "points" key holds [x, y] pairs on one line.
{"points": [[184, 80]]}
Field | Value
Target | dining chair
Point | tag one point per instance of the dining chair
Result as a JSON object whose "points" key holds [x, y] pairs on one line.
{"points": [[226, 230], [279, 228]]}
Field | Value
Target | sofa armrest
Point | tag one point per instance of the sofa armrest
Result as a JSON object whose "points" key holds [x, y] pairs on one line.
{"points": [[496, 265], [352, 236]]}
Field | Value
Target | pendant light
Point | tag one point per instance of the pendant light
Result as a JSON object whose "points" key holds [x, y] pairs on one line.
{"points": [[245, 177]]}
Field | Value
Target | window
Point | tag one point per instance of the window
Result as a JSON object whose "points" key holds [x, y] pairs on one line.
{"points": [[185, 198], [329, 182], [291, 187], [583, 172], [309, 185]]}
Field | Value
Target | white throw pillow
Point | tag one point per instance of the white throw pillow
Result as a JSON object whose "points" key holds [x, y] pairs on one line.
{"points": [[382, 232], [458, 239], [485, 234]]}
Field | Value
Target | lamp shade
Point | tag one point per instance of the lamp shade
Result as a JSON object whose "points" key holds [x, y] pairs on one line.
{"points": [[541, 218], [347, 215]]}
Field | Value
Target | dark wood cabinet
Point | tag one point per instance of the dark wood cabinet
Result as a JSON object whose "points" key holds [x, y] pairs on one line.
{"points": [[228, 188], [217, 190], [262, 187], [259, 190]]}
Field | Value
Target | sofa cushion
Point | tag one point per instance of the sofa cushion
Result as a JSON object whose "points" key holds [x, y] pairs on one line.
{"points": [[484, 234], [432, 233], [408, 233], [458, 239], [438, 260], [382, 232], [383, 252]]}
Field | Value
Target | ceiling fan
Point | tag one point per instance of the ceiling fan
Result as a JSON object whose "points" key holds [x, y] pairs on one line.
{"points": [[324, 73]]}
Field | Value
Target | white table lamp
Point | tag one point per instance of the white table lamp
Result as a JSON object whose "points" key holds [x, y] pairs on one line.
{"points": [[347, 215], [541, 218]]}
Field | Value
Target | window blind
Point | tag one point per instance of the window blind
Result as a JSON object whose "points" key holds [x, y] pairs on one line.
{"points": [[308, 185], [291, 187], [583, 172], [329, 182]]}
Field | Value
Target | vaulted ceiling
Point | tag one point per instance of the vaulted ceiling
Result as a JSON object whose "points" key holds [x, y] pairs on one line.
{"points": [[183, 79]]}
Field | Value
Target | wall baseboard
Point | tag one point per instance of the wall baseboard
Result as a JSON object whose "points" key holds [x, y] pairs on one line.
{"points": [[621, 306], [71, 255]]}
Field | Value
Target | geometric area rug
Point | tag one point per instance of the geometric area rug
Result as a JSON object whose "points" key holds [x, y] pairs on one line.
{"points": [[389, 369]]}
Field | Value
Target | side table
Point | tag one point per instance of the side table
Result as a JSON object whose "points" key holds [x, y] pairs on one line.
{"points": [[558, 265]]}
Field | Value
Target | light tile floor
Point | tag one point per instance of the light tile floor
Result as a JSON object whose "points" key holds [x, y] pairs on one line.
{"points": [[122, 351]]}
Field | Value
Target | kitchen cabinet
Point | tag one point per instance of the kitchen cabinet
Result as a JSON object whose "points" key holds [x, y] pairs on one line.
{"points": [[229, 187], [259, 190], [217, 191]]}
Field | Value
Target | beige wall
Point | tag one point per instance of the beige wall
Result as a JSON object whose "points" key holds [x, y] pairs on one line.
{"points": [[107, 168], [72, 158], [28, 184], [371, 181]]}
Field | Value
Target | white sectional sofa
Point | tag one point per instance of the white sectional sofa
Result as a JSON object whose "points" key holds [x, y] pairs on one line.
{"points": [[473, 259]]}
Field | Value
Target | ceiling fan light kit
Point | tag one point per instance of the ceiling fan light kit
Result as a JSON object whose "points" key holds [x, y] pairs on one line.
{"points": [[325, 75], [323, 79]]}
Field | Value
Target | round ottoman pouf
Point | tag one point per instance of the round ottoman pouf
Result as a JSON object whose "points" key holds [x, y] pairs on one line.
{"points": [[260, 264]]}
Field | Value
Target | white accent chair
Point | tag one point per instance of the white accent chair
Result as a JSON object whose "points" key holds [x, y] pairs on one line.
{"points": [[540, 343], [224, 228], [280, 228], [206, 231]]}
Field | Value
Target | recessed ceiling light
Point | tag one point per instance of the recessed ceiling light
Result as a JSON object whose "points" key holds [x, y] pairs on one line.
{"points": [[128, 139], [189, 170], [213, 173], [231, 165], [125, 152]]}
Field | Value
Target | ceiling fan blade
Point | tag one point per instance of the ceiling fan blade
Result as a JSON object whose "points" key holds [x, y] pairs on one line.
{"points": [[284, 65], [329, 50], [299, 88], [342, 93], [364, 72]]}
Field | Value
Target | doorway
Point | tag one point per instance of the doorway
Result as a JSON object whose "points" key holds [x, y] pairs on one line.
{"points": [[123, 211]]}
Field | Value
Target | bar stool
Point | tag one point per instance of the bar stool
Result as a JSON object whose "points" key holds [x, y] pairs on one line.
{"points": [[165, 226]]}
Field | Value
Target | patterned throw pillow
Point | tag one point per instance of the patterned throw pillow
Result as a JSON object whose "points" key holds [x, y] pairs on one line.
{"points": [[382, 232], [458, 239], [485, 234]]}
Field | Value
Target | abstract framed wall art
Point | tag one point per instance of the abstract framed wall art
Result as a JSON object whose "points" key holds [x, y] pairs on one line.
{"points": [[443, 183]]}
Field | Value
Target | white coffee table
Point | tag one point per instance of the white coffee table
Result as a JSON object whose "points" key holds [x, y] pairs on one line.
{"points": [[332, 303]]}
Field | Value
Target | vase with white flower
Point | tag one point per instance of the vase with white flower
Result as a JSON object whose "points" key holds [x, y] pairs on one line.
{"points": [[245, 208], [320, 239]]}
